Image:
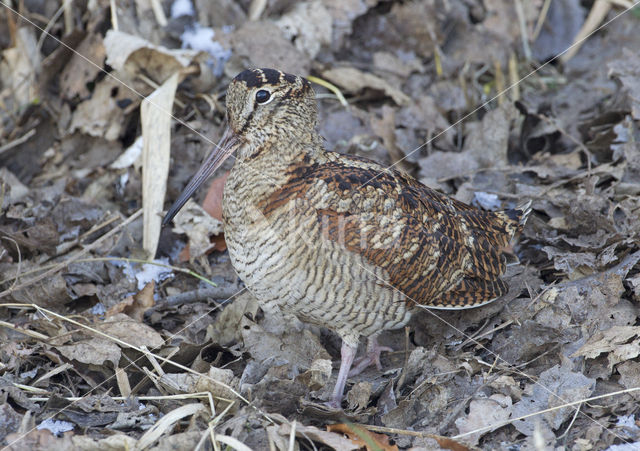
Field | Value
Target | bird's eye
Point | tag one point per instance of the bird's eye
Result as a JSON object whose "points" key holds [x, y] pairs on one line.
{"points": [[263, 96]]}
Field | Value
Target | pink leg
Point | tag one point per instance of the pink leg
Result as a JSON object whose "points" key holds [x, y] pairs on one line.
{"points": [[347, 354], [371, 358]]}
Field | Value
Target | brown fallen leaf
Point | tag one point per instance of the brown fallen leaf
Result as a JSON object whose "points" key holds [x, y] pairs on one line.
{"points": [[385, 127], [359, 435], [219, 243], [135, 306], [185, 254], [49, 292], [213, 202], [448, 443]]}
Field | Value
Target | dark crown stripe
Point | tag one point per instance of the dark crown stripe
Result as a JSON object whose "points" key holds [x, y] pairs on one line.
{"points": [[289, 78], [272, 76], [254, 78]]}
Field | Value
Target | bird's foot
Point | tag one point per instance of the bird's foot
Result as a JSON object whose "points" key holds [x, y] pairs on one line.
{"points": [[371, 358]]}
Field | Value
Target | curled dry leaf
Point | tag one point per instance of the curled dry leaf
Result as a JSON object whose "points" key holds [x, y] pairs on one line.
{"points": [[130, 331], [100, 115], [135, 55], [79, 73], [116, 441], [484, 413], [213, 382], [621, 343], [94, 351], [15, 190], [225, 329], [135, 305], [359, 395], [130, 157], [217, 382], [355, 80], [193, 221], [156, 130]]}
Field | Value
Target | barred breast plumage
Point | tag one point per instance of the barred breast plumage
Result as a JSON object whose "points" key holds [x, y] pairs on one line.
{"points": [[340, 241]]}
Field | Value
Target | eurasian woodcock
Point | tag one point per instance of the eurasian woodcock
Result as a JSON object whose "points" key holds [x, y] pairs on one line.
{"points": [[341, 241]]}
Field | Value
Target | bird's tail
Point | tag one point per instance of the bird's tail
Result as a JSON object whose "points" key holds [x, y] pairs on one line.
{"points": [[525, 209], [516, 218], [520, 214]]}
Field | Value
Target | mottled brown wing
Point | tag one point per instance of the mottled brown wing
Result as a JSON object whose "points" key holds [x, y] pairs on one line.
{"points": [[421, 264], [438, 251], [497, 227]]}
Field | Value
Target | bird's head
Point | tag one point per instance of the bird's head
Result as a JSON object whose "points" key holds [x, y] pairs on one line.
{"points": [[263, 106], [267, 103]]}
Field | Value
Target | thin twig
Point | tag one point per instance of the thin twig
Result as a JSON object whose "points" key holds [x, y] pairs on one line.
{"points": [[523, 30], [123, 259], [541, 18], [575, 415], [198, 295], [48, 27], [331, 87], [17, 141], [405, 365], [30, 333]]}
